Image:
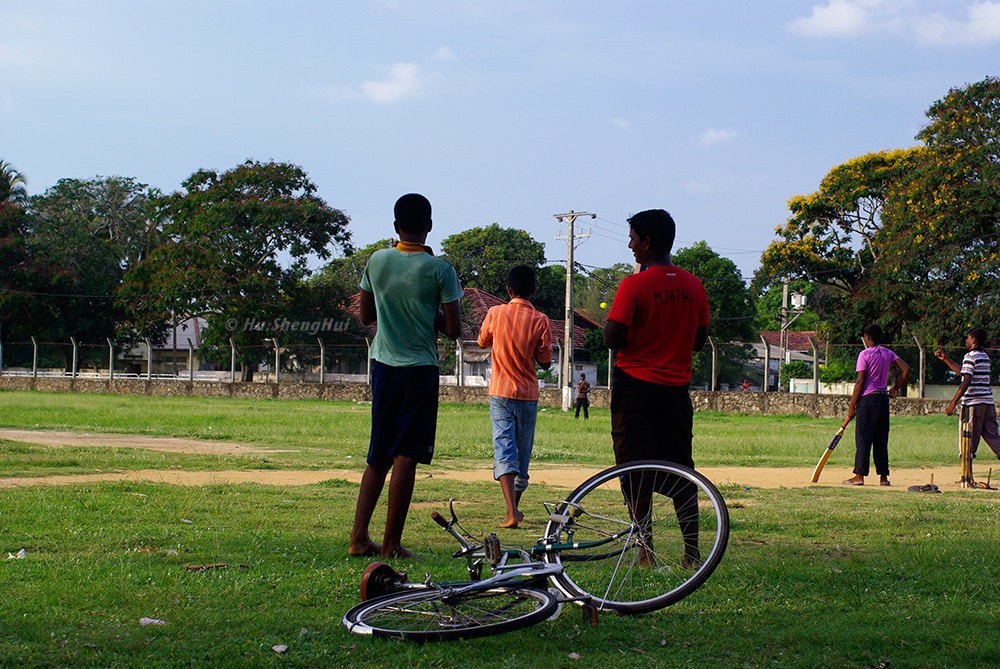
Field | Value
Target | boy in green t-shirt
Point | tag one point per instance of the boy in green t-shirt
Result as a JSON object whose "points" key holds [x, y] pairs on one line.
{"points": [[412, 296]]}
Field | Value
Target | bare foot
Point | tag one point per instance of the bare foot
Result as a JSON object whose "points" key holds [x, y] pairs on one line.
{"points": [[510, 523], [397, 552], [692, 558], [364, 549]]}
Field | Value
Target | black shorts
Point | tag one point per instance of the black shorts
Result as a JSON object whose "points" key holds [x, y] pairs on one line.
{"points": [[650, 421], [404, 413]]}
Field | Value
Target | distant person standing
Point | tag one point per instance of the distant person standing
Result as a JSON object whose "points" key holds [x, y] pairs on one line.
{"points": [[412, 296], [974, 390], [870, 403], [582, 397], [520, 337]]}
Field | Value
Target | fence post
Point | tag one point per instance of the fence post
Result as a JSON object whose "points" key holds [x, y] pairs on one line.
{"points": [[460, 372], [149, 360], [767, 362], [190, 360], [72, 340], [611, 365], [322, 360], [368, 358], [923, 357], [559, 373], [232, 361], [815, 347], [111, 359], [711, 343], [34, 357], [277, 361]]}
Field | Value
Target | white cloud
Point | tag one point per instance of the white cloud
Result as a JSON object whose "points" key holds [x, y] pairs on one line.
{"points": [[972, 23], [838, 18], [698, 187], [624, 124], [403, 81], [717, 136], [444, 53]]}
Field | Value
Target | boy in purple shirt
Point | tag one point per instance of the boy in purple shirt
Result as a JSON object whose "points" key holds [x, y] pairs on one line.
{"points": [[870, 403]]}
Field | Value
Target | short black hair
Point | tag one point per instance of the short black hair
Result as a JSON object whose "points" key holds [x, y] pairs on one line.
{"points": [[413, 213], [979, 335], [657, 226], [521, 281], [874, 332]]}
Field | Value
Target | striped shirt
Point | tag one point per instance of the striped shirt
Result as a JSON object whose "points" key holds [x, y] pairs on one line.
{"points": [[520, 336], [977, 365]]}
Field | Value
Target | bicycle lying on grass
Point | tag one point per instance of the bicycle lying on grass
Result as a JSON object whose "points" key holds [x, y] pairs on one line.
{"points": [[631, 539]]}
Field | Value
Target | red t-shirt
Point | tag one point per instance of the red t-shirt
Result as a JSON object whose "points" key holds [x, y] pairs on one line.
{"points": [[663, 306]]}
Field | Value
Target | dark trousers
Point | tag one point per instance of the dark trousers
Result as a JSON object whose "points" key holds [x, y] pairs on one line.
{"points": [[582, 402], [871, 434]]}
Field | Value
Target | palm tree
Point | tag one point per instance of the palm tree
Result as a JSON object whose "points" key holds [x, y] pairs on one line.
{"points": [[13, 185]]}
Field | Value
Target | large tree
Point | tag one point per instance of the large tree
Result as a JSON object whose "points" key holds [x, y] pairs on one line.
{"points": [[483, 256], [346, 272], [236, 248], [942, 222], [89, 233], [732, 312], [908, 239], [13, 185]]}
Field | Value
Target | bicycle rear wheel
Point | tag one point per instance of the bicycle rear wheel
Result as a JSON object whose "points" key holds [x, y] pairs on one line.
{"points": [[644, 534], [434, 614]]}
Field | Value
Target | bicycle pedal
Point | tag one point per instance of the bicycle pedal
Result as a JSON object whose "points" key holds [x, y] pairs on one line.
{"points": [[491, 549]]}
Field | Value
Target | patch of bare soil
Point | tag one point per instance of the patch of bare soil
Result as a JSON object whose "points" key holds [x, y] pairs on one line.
{"points": [[560, 476]]}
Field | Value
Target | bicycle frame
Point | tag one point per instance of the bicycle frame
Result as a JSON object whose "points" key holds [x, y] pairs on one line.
{"points": [[491, 552]]}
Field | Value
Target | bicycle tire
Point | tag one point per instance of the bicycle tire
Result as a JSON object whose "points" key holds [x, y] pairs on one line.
{"points": [[435, 614], [612, 576]]}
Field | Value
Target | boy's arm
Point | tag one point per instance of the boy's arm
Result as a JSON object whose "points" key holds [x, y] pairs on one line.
{"points": [[543, 353], [859, 384], [367, 310], [904, 374], [451, 325], [952, 365], [962, 387], [700, 337], [615, 335]]}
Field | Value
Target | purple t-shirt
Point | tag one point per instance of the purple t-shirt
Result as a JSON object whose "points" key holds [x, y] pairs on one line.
{"points": [[876, 361]]}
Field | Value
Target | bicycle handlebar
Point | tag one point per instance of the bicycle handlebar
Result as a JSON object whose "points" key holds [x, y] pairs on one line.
{"points": [[439, 519]]}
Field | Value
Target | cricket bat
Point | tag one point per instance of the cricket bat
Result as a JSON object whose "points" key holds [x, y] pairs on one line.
{"points": [[829, 450]]}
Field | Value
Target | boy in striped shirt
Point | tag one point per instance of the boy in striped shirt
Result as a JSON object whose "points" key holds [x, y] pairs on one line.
{"points": [[520, 337], [974, 391]]}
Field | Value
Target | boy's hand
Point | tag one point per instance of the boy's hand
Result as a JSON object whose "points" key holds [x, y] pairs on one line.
{"points": [[439, 321]]}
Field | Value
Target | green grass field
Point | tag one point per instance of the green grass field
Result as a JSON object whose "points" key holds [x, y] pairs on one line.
{"points": [[813, 577]]}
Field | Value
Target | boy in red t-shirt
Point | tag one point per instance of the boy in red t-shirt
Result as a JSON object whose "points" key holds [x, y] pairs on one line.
{"points": [[658, 319]]}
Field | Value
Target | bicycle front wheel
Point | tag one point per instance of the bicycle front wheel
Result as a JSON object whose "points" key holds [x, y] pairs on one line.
{"points": [[638, 537], [433, 614]]}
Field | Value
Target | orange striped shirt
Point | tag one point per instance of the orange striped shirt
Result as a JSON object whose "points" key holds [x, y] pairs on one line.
{"points": [[520, 336]]}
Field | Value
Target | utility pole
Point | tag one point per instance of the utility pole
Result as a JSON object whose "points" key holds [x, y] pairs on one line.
{"points": [[567, 361]]}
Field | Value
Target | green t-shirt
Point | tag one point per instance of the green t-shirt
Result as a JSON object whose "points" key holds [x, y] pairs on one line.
{"points": [[408, 288]]}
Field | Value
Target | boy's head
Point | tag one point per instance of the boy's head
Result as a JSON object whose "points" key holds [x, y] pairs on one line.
{"points": [[657, 226], [977, 337], [413, 213], [873, 332], [521, 281]]}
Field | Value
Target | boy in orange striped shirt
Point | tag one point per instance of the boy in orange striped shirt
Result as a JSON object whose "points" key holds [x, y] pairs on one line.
{"points": [[520, 337]]}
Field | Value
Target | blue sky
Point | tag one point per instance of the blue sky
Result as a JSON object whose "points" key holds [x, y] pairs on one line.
{"points": [[504, 111]]}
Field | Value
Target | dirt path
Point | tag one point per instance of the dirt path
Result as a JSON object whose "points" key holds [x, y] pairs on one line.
{"points": [[561, 476]]}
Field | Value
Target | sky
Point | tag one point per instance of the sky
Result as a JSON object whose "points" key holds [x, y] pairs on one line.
{"points": [[499, 111]]}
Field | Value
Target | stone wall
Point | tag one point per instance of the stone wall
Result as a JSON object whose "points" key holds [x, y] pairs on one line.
{"points": [[819, 406]]}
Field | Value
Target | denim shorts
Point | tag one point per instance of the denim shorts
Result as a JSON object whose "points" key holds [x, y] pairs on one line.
{"points": [[513, 437]]}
